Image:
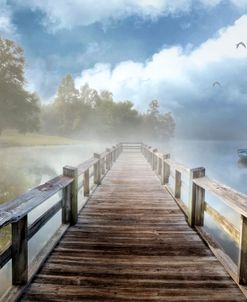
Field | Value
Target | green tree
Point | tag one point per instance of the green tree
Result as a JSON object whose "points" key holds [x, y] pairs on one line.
{"points": [[88, 95], [153, 108], [65, 105], [19, 109], [157, 125]]}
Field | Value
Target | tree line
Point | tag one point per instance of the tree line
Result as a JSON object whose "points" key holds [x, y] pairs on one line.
{"points": [[83, 112]]}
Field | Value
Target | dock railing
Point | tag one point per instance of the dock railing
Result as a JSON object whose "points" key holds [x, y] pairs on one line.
{"points": [[198, 185], [15, 213], [86, 177]]}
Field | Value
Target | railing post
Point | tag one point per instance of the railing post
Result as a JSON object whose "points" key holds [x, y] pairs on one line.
{"points": [[159, 166], [73, 173], [113, 154], [150, 155], [86, 185], [108, 159], [66, 204], [19, 250], [103, 165], [165, 173], [177, 191], [154, 159], [242, 262], [118, 149], [97, 170], [196, 199]]}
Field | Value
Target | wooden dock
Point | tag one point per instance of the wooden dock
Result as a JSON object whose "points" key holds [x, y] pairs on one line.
{"points": [[134, 239], [132, 243]]}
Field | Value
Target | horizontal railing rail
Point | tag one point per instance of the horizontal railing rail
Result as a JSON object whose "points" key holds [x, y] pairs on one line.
{"points": [[198, 185], [15, 213]]}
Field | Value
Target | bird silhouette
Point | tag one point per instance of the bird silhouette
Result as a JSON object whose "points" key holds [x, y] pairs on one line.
{"points": [[216, 83], [239, 44]]}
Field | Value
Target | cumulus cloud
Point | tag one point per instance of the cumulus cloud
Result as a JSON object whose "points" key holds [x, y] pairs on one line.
{"points": [[60, 14], [7, 29], [183, 81]]}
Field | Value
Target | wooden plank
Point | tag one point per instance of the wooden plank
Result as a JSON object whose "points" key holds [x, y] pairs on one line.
{"points": [[227, 226], [15, 292], [86, 165], [14, 210], [132, 242], [234, 199], [179, 201], [224, 259], [178, 166]]}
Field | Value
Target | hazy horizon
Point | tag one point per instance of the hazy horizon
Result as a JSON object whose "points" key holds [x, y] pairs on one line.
{"points": [[174, 52]]}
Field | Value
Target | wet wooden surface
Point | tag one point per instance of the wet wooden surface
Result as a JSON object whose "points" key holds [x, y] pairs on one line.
{"points": [[132, 243]]}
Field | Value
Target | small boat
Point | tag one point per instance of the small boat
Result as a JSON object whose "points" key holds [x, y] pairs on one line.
{"points": [[242, 153]]}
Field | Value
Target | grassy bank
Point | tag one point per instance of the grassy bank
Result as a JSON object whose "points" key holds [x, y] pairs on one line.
{"points": [[13, 138]]}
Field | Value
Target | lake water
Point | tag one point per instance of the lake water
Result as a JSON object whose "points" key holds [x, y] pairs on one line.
{"points": [[26, 167]]}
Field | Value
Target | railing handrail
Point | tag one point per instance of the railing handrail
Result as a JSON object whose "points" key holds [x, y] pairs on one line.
{"points": [[232, 198], [16, 212], [17, 208], [199, 183]]}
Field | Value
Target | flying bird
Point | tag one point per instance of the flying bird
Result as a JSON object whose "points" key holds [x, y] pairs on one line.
{"points": [[239, 44], [216, 83]]}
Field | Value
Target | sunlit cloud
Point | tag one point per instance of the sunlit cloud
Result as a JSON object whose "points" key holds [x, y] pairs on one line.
{"points": [[7, 28], [62, 14], [179, 79]]}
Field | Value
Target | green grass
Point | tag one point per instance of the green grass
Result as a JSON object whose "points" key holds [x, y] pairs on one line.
{"points": [[12, 138]]}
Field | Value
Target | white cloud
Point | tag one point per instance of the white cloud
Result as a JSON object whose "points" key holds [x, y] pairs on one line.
{"points": [[178, 78], [62, 14], [7, 29]]}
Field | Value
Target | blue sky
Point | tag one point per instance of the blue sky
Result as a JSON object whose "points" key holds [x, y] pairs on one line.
{"points": [[140, 50]]}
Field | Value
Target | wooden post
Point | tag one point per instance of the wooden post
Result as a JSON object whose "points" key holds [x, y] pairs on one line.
{"points": [[177, 191], [154, 159], [86, 185], [242, 262], [108, 159], [103, 165], [150, 155], [159, 166], [97, 170], [19, 250], [196, 199], [118, 150], [73, 173], [112, 155], [165, 174], [66, 204]]}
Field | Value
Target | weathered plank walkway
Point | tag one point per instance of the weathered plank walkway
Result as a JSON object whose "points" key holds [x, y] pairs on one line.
{"points": [[132, 243]]}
